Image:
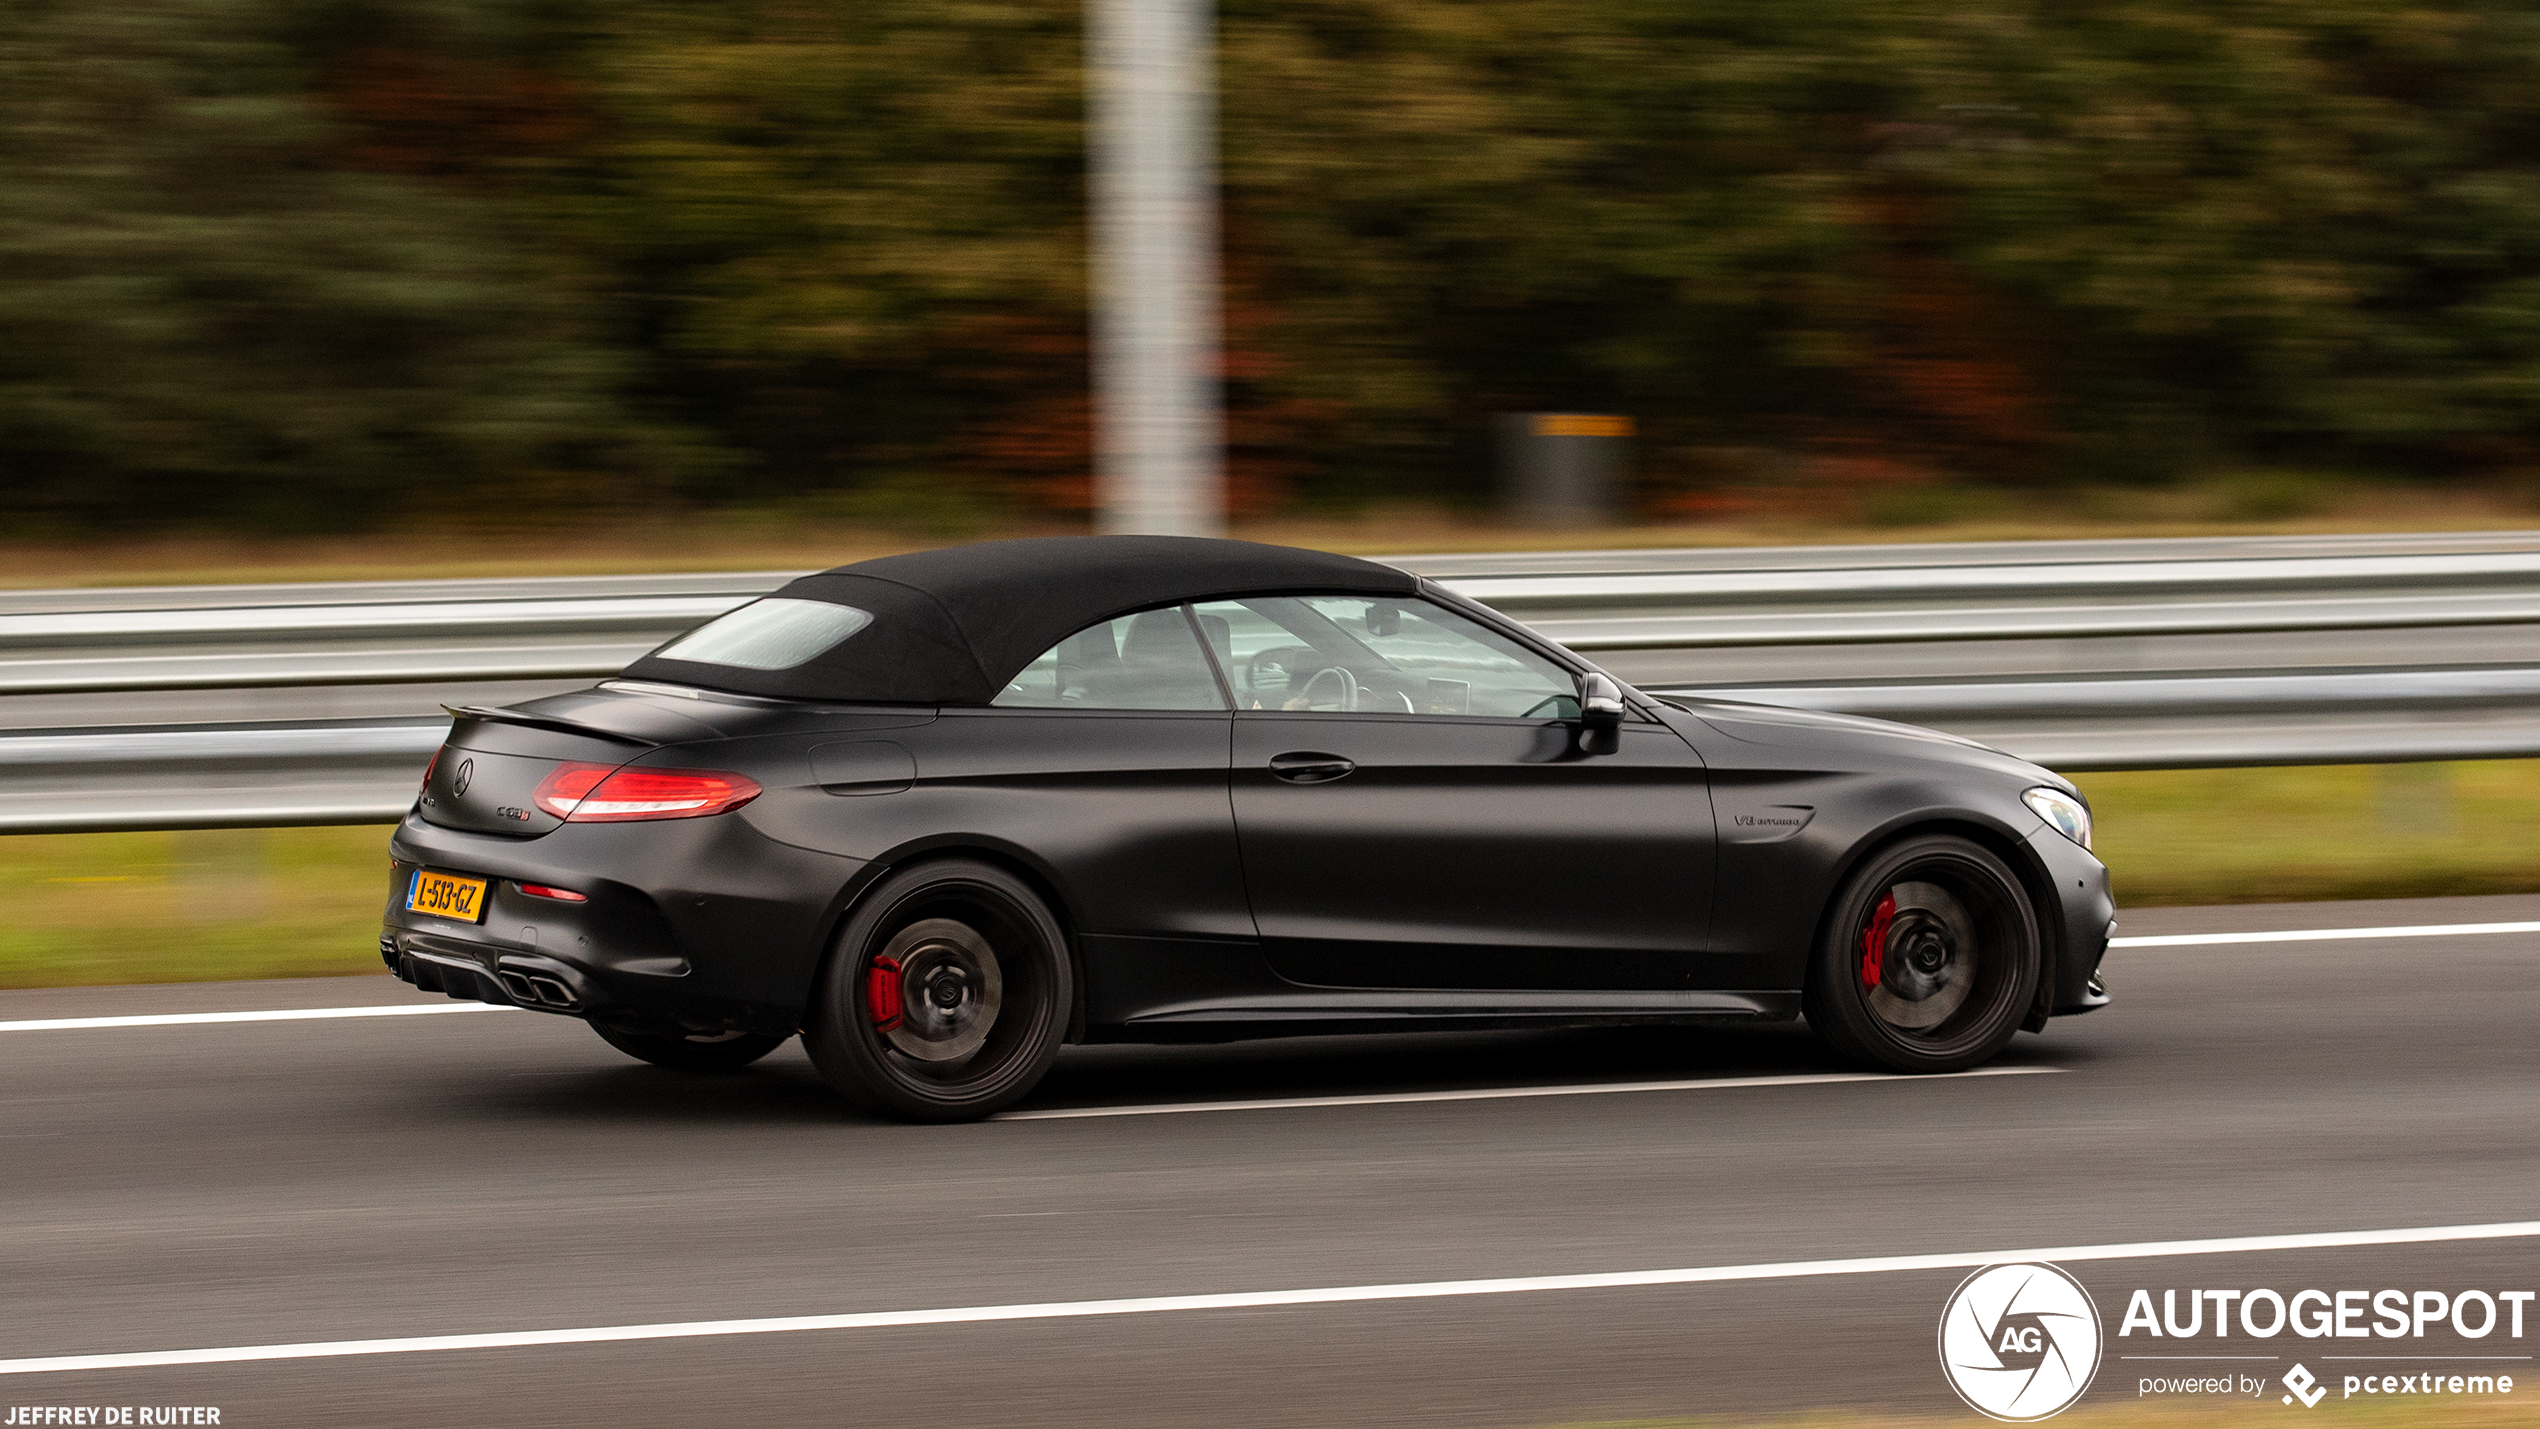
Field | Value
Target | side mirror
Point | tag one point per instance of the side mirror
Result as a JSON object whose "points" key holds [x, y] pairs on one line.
{"points": [[1600, 715]]}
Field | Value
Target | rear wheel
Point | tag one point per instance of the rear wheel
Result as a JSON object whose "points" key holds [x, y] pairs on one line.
{"points": [[946, 997], [1929, 961], [692, 1051]]}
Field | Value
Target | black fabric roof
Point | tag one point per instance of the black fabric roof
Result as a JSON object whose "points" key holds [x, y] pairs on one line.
{"points": [[954, 626]]}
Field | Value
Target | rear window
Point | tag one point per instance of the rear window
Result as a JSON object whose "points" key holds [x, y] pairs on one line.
{"points": [[771, 634]]}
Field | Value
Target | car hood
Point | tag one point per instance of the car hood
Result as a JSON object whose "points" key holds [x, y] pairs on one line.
{"points": [[1831, 733]]}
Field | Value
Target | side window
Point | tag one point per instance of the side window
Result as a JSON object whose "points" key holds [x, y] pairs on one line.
{"points": [[776, 633], [1146, 661], [1329, 653]]}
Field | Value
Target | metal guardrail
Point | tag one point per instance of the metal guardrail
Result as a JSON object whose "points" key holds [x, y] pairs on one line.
{"points": [[303, 704]]}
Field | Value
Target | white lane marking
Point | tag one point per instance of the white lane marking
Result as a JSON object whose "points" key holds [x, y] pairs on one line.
{"points": [[296, 1014], [1258, 1299], [1476, 1094], [2315, 935]]}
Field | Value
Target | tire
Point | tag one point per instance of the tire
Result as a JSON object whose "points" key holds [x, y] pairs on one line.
{"points": [[946, 997], [1929, 960], [694, 1051]]}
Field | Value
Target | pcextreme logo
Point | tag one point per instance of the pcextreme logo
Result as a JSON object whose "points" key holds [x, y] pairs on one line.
{"points": [[2306, 1387], [2019, 1342]]}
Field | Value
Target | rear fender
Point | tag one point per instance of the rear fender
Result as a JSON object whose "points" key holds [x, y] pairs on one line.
{"points": [[987, 849]]}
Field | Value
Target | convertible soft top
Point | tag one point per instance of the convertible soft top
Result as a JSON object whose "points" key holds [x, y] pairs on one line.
{"points": [[954, 626]]}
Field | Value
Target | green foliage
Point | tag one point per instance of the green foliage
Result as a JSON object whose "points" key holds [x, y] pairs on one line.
{"points": [[297, 261], [212, 305], [851, 230], [2019, 239]]}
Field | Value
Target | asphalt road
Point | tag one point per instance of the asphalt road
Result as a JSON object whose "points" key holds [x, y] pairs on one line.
{"points": [[175, 1187]]}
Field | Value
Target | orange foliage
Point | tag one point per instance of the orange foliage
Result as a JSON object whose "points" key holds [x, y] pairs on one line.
{"points": [[414, 112], [1949, 363], [1038, 441]]}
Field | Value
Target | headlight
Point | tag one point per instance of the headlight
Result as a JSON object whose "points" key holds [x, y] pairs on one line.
{"points": [[2069, 815]]}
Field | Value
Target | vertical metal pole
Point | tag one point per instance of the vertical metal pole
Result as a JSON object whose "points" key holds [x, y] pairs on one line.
{"points": [[1158, 434]]}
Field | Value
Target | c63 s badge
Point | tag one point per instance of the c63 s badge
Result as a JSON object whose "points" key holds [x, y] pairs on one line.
{"points": [[2019, 1342]]}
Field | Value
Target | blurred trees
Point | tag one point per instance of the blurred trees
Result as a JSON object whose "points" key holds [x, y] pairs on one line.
{"points": [[307, 262], [220, 300], [2031, 242]]}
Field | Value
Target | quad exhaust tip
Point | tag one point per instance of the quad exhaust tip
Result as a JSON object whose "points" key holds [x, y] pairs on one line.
{"points": [[537, 990]]}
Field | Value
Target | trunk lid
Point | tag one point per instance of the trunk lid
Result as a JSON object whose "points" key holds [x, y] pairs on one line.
{"points": [[484, 777], [491, 765]]}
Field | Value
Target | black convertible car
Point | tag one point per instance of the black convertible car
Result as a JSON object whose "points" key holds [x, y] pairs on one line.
{"points": [[943, 813]]}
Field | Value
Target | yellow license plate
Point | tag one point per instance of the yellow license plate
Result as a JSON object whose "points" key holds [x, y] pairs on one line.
{"points": [[446, 895]]}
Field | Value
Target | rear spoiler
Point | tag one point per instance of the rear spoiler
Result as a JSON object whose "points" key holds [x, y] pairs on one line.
{"points": [[547, 721]]}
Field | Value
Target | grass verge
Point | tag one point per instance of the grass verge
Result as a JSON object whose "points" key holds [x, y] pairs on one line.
{"points": [[2174, 837], [251, 903], [190, 907]]}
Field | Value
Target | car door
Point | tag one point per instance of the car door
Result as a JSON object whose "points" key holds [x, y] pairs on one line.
{"points": [[1105, 759], [1414, 811]]}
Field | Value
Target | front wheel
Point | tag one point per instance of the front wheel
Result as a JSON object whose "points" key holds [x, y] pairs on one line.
{"points": [[947, 995], [1929, 960]]}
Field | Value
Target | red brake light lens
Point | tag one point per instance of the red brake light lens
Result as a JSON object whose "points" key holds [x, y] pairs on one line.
{"points": [[565, 786], [434, 764], [604, 794]]}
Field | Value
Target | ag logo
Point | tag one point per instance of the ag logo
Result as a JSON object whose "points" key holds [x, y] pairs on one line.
{"points": [[2019, 1342], [460, 780]]}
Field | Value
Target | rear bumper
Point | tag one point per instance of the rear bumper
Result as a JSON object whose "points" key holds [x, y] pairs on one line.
{"points": [[517, 980], [696, 925], [537, 982]]}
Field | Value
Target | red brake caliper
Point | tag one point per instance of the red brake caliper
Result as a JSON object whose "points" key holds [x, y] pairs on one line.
{"points": [[1874, 942], [882, 993]]}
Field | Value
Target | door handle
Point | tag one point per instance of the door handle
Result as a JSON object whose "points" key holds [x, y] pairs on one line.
{"points": [[1309, 768]]}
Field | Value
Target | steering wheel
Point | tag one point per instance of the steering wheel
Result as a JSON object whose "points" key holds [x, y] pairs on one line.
{"points": [[1332, 690], [1381, 692]]}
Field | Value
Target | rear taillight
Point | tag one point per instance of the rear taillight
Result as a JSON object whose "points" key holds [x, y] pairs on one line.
{"points": [[565, 785], [428, 768], [604, 794], [561, 895]]}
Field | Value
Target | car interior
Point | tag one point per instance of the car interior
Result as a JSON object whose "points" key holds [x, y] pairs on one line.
{"points": [[1311, 654]]}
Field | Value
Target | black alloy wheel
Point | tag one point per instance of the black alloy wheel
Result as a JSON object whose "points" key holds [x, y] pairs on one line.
{"points": [[1929, 960], [691, 1051], [946, 997]]}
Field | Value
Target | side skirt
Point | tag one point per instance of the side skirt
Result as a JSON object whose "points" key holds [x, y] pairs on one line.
{"points": [[1324, 1011]]}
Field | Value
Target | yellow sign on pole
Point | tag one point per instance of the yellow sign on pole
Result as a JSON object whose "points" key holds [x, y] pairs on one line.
{"points": [[1581, 424]]}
